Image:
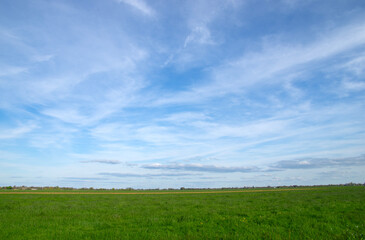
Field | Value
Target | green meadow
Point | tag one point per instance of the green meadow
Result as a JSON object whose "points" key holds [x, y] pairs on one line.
{"points": [[301, 213]]}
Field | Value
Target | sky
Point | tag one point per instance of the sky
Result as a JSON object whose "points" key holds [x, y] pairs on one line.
{"points": [[170, 94]]}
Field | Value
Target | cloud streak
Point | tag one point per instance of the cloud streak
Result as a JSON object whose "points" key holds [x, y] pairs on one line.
{"points": [[312, 163], [103, 161], [132, 175], [140, 5], [11, 133], [273, 63], [200, 168]]}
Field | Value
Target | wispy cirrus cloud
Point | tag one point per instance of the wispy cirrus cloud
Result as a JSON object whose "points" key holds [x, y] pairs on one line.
{"points": [[199, 35], [353, 85], [11, 70], [86, 179], [132, 175], [43, 58], [272, 63], [140, 5], [17, 132], [103, 161], [200, 168], [310, 163]]}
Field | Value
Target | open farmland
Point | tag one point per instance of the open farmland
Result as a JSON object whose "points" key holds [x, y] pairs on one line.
{"points": [[299, 213]]}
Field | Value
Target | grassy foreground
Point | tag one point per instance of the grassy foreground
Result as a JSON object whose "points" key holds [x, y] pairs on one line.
{"points": [[316, 213]]}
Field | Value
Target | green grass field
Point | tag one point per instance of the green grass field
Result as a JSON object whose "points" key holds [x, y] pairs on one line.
{"points": [[302, 213]]}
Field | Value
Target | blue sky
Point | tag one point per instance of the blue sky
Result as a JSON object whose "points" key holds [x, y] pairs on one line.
{"points": [[157, 94]]}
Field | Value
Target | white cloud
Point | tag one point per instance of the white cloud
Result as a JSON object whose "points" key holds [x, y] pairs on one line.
{"points": [[103, 161], [353, 85], [11, 70], [10, 133], [199, 35], [43, 58], [103, 106], [68, 115], [140, 5], [185, 117], [271, 65], [199, 40], [320, 163], [356, 65], [200, 168]]}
